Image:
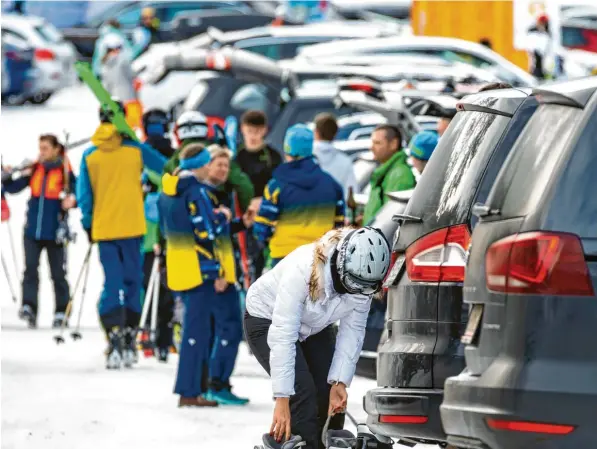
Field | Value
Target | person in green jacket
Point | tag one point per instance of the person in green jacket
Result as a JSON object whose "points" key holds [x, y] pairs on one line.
{"points": [[192, 127], [393, 173]]}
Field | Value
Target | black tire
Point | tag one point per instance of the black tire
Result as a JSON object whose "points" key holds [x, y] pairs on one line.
{"points": [[40, 98]]}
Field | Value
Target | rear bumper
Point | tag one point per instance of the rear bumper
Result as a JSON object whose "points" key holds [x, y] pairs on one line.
{"points": [[469, 403], [405, 403]]}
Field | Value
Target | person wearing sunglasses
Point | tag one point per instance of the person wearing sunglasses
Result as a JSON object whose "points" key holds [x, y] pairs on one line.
{"points": [[290, 328]]}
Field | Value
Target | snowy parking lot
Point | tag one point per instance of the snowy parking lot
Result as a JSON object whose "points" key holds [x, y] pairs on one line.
{"points": [[62, 396]]}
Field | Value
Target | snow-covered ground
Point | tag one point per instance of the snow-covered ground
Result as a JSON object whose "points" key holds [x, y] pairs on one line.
{"points": [[61, 396]]}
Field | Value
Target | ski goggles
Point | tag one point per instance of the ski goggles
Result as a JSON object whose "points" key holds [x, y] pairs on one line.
{"points": [[357, 286]]}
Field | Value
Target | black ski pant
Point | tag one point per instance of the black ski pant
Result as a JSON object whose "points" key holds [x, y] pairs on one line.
{"points": [[165, 304], [57, 261], [309, 405]]}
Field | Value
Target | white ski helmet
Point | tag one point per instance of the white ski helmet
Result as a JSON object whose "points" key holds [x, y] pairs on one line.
{"points": [[191, 125], [363, 260]]}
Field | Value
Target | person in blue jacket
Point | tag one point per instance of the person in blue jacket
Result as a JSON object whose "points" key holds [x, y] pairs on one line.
{"points": [[48, 201], [301, 202], [110, 196], [147, 33], [195, 265]]}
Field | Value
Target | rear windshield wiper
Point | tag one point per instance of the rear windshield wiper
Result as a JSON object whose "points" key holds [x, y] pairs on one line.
{"points": [[481, 210], [404, 218]]}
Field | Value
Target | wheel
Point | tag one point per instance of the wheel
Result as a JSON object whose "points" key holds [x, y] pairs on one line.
{"points": [[40, 98]]}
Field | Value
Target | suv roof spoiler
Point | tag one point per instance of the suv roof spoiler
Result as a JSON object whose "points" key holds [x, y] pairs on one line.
{"points": [[500, 102], [575, 93]]}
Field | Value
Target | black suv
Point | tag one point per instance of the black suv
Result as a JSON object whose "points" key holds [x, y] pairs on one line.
{"points": [[531, 360], [426, 316]]}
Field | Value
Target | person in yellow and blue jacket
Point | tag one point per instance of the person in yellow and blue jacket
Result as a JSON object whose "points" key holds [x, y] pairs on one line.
{"points": [[197, 264], [301, 202], [110, 196]]}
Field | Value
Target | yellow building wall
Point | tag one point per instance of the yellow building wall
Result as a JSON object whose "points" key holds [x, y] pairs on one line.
{"points": [[470, 20]]}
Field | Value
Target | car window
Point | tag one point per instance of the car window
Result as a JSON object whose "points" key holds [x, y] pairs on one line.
{"points": [[528, 170], [15, 38], [171, 11], [577, 37], [250, 96], [467, 58], [271, 51], [446, 191], [130, 17], [49, 33], [307, 114]]}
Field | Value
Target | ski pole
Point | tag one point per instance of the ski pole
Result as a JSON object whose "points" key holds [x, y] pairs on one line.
{"points": [[59, 338], [12, 248], [8, 281], [154, 303], [76, 335], [148, 295]]}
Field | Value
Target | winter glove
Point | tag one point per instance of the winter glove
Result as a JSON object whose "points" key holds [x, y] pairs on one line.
{"points": [[89, 238]]}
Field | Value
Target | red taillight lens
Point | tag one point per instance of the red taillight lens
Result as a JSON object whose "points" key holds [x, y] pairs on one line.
{"points": [[526, 426], [393, 259], [217, 61], [367, 88], [538, 263], [439, 256], [403, 419], [43, 54]]}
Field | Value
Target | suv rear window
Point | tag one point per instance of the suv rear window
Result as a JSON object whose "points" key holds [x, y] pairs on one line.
{"points": [[447, 189], [529, 168]]}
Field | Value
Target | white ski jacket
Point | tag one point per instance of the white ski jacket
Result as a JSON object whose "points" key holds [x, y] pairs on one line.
{"points": [[337, 164], [297, 295]]}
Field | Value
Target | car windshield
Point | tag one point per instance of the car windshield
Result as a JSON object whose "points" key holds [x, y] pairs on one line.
{"points": [[49, 33]]}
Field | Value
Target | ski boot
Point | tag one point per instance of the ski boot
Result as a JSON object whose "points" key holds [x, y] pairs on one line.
{"points": [[129, 354], [221, 392], [163, 354], [27, 314], [269, 442], [114, 355], [59, 317]]}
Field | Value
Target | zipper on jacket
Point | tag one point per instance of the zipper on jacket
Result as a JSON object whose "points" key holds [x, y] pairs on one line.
{"points": [[41, 206]]}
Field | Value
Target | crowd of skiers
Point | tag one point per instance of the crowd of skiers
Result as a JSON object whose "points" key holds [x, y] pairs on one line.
{"points": [[190, 207]]}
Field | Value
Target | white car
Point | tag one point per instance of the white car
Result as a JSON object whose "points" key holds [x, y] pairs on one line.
{"points": [[455, 50], [54, 57]]}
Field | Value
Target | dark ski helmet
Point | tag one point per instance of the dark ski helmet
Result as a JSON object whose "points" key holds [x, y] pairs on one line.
{"points": [[155, 122], [105, 114]]}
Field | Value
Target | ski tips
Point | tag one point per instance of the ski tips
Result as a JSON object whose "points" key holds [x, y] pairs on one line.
{"points": [[58, 339], [76, 336]]}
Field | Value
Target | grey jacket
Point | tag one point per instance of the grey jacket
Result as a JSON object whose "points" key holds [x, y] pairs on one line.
{"points": [[118, 76]]}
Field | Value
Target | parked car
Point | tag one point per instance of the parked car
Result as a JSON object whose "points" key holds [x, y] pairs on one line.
{"points": [[53, 57], [426, 315], [530, 284], [128, 14], [357, 126], [18, 74], [447, 48]]}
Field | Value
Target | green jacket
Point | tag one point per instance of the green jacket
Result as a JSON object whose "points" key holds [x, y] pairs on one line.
{"points": [[238, 181], [391, 176]]}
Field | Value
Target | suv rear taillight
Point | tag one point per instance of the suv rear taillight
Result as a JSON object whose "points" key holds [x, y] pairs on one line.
{"points": [[43, 54], [439, 256], [538, 263]]}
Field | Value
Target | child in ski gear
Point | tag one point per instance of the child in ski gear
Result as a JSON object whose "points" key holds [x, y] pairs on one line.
{"points": [[110, 28], [332, 161], [110, 196], [147, 32], [421, 148], [49, 178], [155, 127], [118, 78], [192, 127], [393, 173], [226, 310], [289, 322], [301, 202], [258, 160], [196, 266]]}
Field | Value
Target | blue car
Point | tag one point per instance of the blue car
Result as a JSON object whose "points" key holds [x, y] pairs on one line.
{"points": [[18, 74]]}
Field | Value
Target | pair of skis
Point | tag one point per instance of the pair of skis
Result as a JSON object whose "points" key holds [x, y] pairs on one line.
{"points": [[147, 335]]}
